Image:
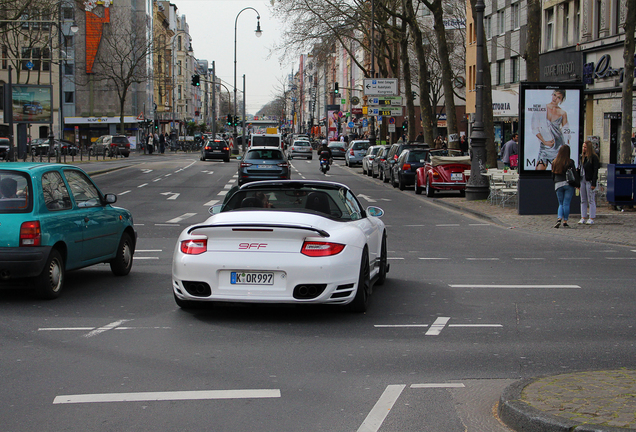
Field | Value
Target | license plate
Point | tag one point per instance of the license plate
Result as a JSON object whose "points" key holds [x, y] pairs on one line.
{"points": [[263, 166], [457, 176], [252, 278]]}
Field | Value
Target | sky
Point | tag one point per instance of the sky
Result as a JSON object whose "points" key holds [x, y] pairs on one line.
{"points": [[212, 31]]}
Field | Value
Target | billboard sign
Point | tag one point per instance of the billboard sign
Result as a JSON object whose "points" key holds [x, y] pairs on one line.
{"points": [[550, 116], [32, 103]]}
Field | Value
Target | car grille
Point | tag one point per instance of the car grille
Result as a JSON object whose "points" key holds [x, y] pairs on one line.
{"points": [[342, 291]]}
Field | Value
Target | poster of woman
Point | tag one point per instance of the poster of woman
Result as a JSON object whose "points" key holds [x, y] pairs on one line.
{"points": [[551, 119]]}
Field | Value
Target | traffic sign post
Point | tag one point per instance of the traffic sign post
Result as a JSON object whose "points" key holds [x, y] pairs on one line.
{"points": [[387, 111], [381, 86], [386, 100]]}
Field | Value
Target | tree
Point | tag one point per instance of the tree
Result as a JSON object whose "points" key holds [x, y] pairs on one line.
{"points": [[533, 41], [628, 83]]}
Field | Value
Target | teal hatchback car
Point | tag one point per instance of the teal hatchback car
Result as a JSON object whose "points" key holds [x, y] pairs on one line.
{"points": [[53, 218]]}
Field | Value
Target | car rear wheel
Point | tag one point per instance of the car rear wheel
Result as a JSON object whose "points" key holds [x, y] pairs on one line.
{"points": [[49, 283], [393, 180], [429, 190], [400, 182], [384, 177], [122, 263], [373, 174], [418, 189], [384, 267], [361, 300]]}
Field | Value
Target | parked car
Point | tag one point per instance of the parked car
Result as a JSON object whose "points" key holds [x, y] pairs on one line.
{"points": [[215, 149], [394, 154], [67, 148], [32, 108], [55, 219], [337, 149], [377, 165], [355, 152], [300, 148], [5, 147], [263, 163], [408, 162], [295, 242], [367, 160], [111, 145], [443, 170]]}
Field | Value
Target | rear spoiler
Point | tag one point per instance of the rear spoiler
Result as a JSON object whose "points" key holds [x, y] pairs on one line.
{"points": [[255, 227]]}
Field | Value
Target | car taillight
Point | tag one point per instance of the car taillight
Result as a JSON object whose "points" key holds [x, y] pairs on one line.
{"points": [[435, 173], [395, 157], [351, 153], [319, 249], [245, 164], [194, 247], [30, 234], [208, 148], [406, 167], [226, 148], [283, 164]]}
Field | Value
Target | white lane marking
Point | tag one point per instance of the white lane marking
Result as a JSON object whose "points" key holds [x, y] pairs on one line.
{"points": [[148, 250], [228, 186], [142, 185], [433, 258], [167, 396], [210, 203], [447, 225], [439, 385], [515, 286], [174, 196], [105, 328], [207, 172], [146, 171], [144, 258], [366, 197], [180, 218], [399, 325], [529, 259], [157, 179], [479, 224], [223, 192], [476, 325], [166, 224], [633, 250], [574, 258], [482, 259], [381, 409], [414, 225], [65, 328], [123, 193], [437, 326], [168, 175], [232, 180], [395, 258], [620, 258]]}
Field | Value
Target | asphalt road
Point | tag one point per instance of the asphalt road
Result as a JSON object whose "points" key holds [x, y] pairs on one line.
{"points": [[468, 308]]}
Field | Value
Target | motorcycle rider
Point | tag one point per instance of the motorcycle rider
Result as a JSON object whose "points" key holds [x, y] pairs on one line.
{"points": [[324, 152]]}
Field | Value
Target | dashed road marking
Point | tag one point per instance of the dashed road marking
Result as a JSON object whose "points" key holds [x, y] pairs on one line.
{"points": [[438, 385], [142, 185], [515, 286], [381, 409], [123, 193], [437, 326], [210, 203], [168, 396], [180, 218]]}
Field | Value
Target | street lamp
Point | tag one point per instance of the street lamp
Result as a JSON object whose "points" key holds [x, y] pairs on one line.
{"points": [[259, 33], [477, 187]]}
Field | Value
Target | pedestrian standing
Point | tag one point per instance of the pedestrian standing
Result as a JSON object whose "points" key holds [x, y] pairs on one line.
{"points": [[162, 143], [509, 149], [564, 191], [420, 137], [463, 145], [589, 176]]}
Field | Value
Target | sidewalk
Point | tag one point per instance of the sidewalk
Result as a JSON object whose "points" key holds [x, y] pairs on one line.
{"points": [[611, 226]]}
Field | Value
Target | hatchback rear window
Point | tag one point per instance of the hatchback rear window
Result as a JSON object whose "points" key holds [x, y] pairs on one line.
{"points": [[120, 140], [361, 145], [15, 194], [416, 156], [265, 154]]}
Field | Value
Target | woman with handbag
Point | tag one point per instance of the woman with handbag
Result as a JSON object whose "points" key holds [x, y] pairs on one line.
{"points": [[589, 176], [564, 190]]}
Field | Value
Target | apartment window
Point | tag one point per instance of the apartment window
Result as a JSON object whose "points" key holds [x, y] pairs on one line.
{"points": [[597, 33], [501, 22], [179, 68], [26, 57], [549, 29], [616, 25], [515, 69], [69, 97], [159, 62], [5, 56], [179, 92], [160, 90], [577, 21], [179, 43], [515, 14], [68, 69], [487, 27], [46, 54], [566, 24], [68, 41], [470, 34], [501, 72], [67, 13]]}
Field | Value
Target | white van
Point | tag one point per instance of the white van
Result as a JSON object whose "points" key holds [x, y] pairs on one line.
{"points": [[266, 140]]}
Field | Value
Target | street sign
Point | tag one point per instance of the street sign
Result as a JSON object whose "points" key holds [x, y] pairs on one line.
{"points": [[387, 111], [391, 127], [380, 86], [386, 100], [365, 122], [350, 124], [391, 120]]}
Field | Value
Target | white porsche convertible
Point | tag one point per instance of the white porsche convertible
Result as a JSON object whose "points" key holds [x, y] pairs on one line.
{"points": [[285, 241]]}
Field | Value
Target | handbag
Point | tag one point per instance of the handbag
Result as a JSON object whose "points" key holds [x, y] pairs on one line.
{"points": [[573, 177], [514, 161]]}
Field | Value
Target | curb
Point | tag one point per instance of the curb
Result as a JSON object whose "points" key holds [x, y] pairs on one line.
{"points": [[520, 416]]}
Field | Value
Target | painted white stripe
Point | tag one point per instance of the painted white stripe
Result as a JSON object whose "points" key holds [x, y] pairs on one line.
{"points": [[210, 203], [422, 258], [381, 409], [168, 175], [395, 258], [514, 286], [476, 325], [166, 225], [479, 224], [180, 218], [148, 250], [123, 193], [144, 258], [529, 259], [232, 180], [223, 192], [138, 224], [447, 225], [105, 328], [440, 385], [399, 325], [65, 328], [157, 179], [575, 258], [142, 185], [227, 186], [482, 259], [437, 326], [620, 258], [414, 225], [146, 171], [633, 250], [166, 396]]}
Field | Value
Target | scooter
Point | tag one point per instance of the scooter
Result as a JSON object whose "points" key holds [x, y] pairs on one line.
{"points": [[324, 165]]}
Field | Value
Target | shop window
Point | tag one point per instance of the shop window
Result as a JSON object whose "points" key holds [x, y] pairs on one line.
{"points": [[69, 97]]}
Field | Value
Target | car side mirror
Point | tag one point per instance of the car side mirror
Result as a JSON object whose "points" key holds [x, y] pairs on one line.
{"points": [[238, 158], [215, 209], [110, 198], [375, 211]]}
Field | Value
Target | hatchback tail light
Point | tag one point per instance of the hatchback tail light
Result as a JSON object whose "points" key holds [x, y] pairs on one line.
{"points": [[283, 164], [351, 153], [245, 164], [226, 148], [319, 249], [435, 173], [194, 246], [406, 167], [30, 234]]}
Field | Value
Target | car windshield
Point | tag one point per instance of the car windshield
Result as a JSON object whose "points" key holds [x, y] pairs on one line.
{"points": [[301, 144], [337, 203], [264, 154], [14, 192]]}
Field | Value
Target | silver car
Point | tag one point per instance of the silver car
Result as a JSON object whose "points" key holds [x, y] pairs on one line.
{"points": [[356, 151], [300, 148]]}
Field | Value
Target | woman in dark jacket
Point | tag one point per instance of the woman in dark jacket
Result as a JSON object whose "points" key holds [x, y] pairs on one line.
{"points": [[589, 176], [564, 191]]}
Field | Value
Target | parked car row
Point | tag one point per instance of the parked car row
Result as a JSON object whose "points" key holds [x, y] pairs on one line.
{"points": [[416, 164], [110, 145]]}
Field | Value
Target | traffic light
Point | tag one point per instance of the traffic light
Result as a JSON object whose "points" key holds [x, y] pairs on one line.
{"points": [[195, 80], [336, 90], [229, 119], [236, 121]]}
